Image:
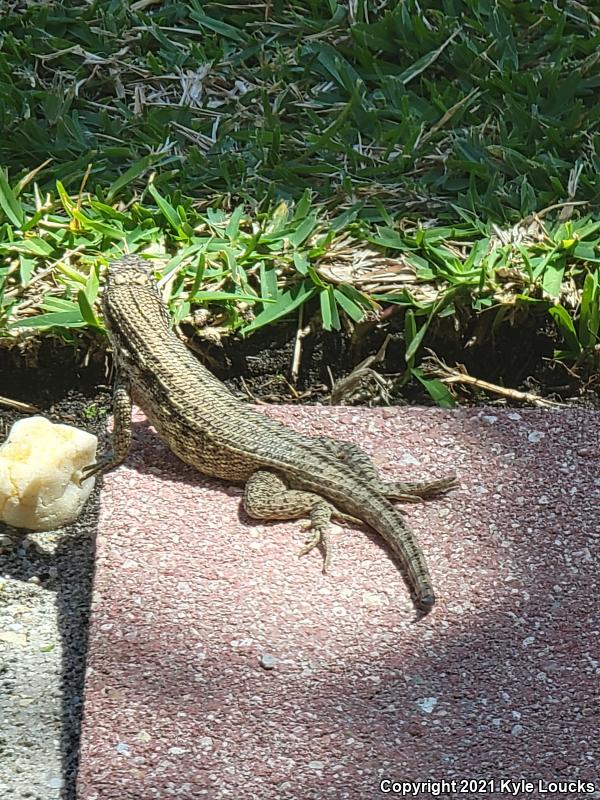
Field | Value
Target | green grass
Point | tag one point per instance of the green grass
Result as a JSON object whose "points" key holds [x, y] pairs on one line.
{"points": [[260, 147], [491, 106]]}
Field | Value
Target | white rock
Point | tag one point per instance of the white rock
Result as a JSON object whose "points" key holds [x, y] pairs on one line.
{"points": [[40, 464], [427, 704], [535, 436]]}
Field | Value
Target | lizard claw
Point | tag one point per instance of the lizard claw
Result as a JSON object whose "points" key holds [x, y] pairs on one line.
{"points": [[90, 470], [320, 536], [99, 467]]}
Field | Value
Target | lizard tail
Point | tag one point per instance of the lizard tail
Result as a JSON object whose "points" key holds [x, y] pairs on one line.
{"points": [[381, 515]]}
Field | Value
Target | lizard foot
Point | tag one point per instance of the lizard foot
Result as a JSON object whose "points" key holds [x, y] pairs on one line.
{"points": [[417, 491], [98, 467], [320, 537]]}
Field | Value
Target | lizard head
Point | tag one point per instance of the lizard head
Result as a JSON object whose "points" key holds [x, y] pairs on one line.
{"points": [[131, 270], [130, 279]]}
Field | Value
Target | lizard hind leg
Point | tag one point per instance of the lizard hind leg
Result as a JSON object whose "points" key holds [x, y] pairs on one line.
{"points": [[408, 492], [266, 496]]}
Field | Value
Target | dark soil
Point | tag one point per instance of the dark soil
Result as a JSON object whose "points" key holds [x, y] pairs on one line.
{"points": [[71, 383], [518, 357]]}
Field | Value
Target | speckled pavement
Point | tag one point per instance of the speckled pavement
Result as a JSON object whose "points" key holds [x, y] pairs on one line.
{"points": [[223, 666]]}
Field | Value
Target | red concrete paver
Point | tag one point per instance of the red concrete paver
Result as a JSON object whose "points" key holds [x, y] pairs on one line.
{"points": [[222, 666]]}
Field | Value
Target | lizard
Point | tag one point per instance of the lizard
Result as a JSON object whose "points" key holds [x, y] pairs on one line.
{"points": [[287, 475]]}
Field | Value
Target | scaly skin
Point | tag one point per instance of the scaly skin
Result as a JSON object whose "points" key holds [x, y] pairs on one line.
{"points": [[286, 474]]}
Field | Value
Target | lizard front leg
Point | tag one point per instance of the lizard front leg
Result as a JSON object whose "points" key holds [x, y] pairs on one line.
{"points": [[267, 497], [121, 437]]}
